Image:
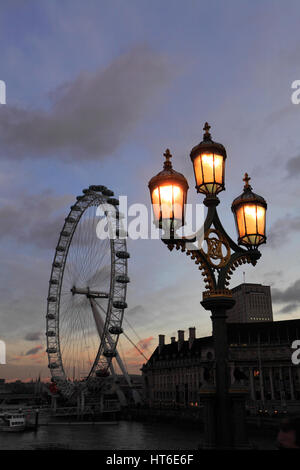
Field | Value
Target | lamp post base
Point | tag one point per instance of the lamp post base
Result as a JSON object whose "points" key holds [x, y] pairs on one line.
{"points": [[225, 426], [236, 422]]}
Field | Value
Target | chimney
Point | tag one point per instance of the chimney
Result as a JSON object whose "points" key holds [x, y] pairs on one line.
{"points": [[180, 339], [161, 343], [192, 336], [172, 339]]}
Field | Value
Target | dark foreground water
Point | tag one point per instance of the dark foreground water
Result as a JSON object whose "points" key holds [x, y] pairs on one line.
{"points": [[125, 435]]}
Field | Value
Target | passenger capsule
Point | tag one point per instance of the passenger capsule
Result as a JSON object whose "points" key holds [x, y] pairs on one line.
{"points": [[51, 299], [53, 365], [97, 187], [51, 350], [64, 233], [102, 373], [113, 201], [115, 330], [109, 353], [107, 192], [122, 279], [122, 254], [50, 316], [53, 281], [56, 264], [120, 304], [50, 333]]}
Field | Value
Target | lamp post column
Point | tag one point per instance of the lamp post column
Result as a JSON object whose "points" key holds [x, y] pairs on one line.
{"points": [[218, 305]]}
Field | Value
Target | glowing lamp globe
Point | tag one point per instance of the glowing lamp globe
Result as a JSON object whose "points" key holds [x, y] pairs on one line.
{"points": [[168, 192], [250, 217], [208, 159]]}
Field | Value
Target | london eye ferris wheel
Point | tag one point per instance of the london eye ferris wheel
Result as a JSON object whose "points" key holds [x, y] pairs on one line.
{"points": [[87, 292]]}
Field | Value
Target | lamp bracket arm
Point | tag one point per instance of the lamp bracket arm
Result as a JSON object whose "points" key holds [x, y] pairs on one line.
{"points": [[218, 225], [237, 259], [200, 234], [210, 217]]}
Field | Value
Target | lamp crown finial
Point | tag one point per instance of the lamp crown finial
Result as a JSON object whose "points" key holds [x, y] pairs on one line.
{"points": [[246, 179], [206, 135], [167, 162]]}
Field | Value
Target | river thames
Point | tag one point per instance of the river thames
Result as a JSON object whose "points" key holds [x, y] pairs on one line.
{"points": [[124, 435]]}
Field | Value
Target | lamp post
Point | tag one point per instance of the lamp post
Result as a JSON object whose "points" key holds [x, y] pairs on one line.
{"points": [[217, 261]]}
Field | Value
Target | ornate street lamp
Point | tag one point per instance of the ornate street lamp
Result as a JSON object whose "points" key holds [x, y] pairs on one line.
{"points": [[250, 216], [217, 258], [208, 159], [168, 191]]}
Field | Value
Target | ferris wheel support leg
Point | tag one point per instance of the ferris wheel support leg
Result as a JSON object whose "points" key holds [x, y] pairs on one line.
{"points": [[119, 392], [135, 395], [97, 317], [100, 327]]}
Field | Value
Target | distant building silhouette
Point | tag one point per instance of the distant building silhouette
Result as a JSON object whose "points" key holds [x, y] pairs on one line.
{"points": [[253, 304]]}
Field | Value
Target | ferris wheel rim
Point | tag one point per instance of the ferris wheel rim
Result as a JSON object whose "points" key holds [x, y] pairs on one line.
{"points": [[115, 311]]}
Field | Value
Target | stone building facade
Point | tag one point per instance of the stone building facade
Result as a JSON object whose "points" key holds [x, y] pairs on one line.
{"points": [[259, 358]]}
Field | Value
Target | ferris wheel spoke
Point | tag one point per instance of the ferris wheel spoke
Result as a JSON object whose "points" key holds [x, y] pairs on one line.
{"points": [[73, 337]]}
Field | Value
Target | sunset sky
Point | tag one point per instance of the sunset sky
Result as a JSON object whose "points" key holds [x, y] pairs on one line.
{"points": [[96, 91]]}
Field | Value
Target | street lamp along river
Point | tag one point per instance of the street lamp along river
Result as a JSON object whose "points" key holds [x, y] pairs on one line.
{"points": [[217, 258]]}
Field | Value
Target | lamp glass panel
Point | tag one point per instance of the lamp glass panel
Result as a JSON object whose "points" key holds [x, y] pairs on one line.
{"points": [[168, 201], [240, 221], [155, 204], [261, 220], [218, 164], [208, 167], [198, 170], [178, 202], [209, 170], [250, 211], [171, 199]]}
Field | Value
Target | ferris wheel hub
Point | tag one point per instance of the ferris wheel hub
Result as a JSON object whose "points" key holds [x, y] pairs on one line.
{"points": [[89, 293]]}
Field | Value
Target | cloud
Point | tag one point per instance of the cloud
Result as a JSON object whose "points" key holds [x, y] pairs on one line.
{"points": [[33, 219], [289, 308], [282, 229], [90, 116], [276, 116], [293, 166], [273, 274], [34, 351], [135, 311], [33, 336], [36, 354], [23, 291], [143, 345], [291, 294]]}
